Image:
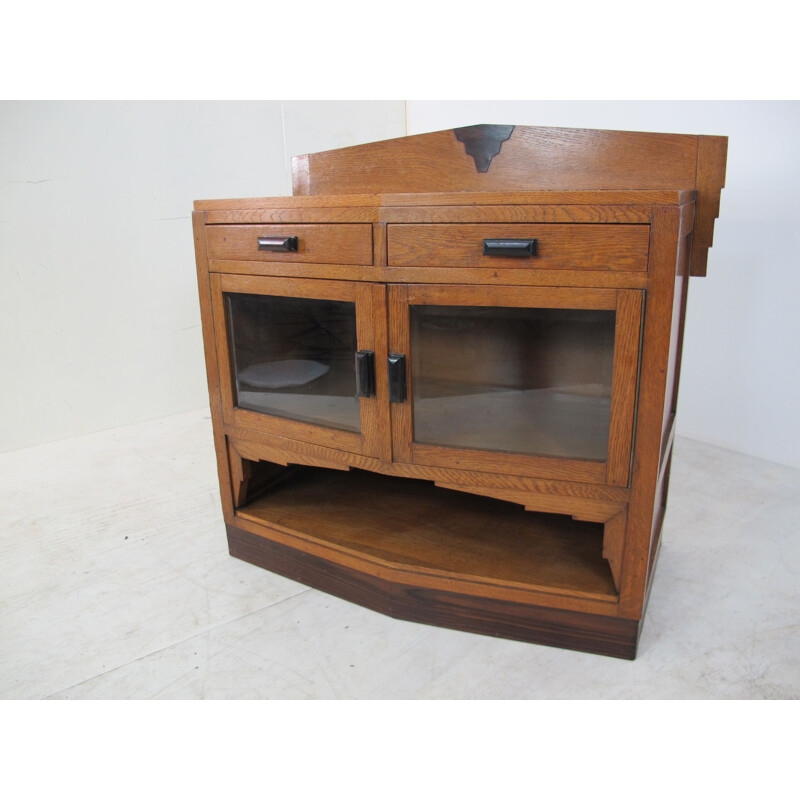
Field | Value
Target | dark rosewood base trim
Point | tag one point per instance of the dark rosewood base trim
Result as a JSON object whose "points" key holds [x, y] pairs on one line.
{"points": [[590, 633]]}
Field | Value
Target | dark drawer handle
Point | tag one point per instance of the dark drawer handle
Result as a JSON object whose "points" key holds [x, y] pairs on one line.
{"points": [[365, 373], [278, 244], [514, 248], [397, 378]]}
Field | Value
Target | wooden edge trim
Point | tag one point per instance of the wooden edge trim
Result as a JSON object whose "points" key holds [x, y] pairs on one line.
{"points": [[222, 353], [266, 446], [296, 430], [528, 197], [614, 544], [383, 414], [401, 414], [260, 453], [267, 216], [578, 278], [518, 296], [687, 220], [664, 252], [666, 445], [204, 287], [543, 278], [290, 451], [627, 345], [379, 245], [295, 269], [511, 464], [240, 474], [579, 508], [532, 197], [712, 154], [655, 550], [508, 213], [368, 322], [289, 287]]}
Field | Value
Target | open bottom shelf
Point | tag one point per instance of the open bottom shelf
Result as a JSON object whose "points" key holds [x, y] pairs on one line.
{"points": [[418, 527]]}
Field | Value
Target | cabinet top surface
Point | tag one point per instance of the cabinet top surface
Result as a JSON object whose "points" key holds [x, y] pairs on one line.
{"points": [[676, 196]]}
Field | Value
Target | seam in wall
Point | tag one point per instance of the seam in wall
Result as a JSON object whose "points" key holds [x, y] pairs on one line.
{"points": [[286, 170]]}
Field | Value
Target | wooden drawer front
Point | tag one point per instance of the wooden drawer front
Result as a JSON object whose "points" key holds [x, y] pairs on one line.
{"points": [[604, 247], [316, 244]]}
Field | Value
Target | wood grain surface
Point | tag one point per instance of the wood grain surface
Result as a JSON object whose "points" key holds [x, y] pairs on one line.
{"points": [[532, 158], [627, 343], [212, 367], [417, 527], [320, 244], [602, 247], [273, 447], [652, 399]]}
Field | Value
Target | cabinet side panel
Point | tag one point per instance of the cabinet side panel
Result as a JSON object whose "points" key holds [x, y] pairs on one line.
{"points": [[664, 237], [676, 337], [212, 373]]}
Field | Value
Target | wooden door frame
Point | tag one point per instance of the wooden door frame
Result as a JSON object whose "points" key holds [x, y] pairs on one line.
{"points": [[628, 305]]}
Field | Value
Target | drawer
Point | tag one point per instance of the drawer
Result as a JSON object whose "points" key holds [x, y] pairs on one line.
{"points": [[315, 244], [571, 246]]}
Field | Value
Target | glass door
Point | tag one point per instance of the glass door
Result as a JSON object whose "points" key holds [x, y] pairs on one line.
{"points": [[523, 380], [298, 358]]}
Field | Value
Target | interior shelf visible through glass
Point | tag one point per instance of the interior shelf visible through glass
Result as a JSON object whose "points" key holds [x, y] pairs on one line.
{"points": [[533, 381], [294, 357]]}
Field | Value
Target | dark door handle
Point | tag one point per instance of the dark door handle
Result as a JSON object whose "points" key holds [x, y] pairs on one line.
{"points": [[278, 244], [514, 248], [397, 378], [365, 373]]}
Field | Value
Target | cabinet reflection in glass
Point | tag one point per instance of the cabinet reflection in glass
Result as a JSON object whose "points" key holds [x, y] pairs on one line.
{"points": [[518, 380], [293, 357]]}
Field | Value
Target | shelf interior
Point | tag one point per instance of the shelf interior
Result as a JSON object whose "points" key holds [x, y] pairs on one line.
{"points": [[415, 524]]}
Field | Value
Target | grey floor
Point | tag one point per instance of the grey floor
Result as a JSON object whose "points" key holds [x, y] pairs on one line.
{"points": [[116, 583]]}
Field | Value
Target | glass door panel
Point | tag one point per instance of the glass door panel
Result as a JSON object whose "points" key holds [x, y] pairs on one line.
{"points": [[297, 360], [293, 357], [534, 381]]}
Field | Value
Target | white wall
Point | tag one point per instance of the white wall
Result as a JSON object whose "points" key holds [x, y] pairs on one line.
{"points": [[99, 322], [740, 385], [99, 318]]}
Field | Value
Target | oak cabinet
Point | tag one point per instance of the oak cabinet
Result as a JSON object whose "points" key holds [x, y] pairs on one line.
{"points": [[457, 407]]}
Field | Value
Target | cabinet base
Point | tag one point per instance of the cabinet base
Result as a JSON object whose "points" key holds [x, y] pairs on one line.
{"points": [[590, 633]]}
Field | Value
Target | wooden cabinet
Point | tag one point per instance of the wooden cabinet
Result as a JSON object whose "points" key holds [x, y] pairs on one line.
{"points": [[448, 392]]}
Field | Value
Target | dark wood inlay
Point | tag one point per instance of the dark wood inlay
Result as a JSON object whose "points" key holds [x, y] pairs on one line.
{"points": [[483, 142]]}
